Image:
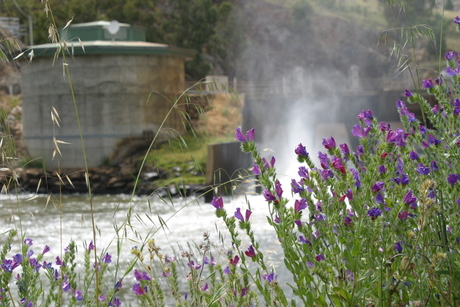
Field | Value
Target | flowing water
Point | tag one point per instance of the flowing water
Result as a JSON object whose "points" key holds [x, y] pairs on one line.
{"points": [[48, 223]]}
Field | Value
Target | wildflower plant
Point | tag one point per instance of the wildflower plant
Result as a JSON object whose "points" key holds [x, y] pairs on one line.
{"points": [[33, 278], [377, 226]]}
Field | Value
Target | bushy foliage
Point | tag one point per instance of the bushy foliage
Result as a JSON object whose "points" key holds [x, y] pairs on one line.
{"points": [[379, 225]]}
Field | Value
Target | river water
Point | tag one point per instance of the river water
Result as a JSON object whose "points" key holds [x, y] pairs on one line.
{"points": [[55, 221]]}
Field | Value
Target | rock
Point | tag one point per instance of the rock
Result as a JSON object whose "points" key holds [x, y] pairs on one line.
{"points": [[150, 176]]}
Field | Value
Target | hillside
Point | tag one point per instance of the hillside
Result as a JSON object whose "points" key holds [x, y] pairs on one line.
{"points": [[321, 37]]}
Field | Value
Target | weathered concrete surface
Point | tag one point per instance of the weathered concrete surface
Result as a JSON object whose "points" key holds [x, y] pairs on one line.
{"points": [[117, 96], [225, 163]]}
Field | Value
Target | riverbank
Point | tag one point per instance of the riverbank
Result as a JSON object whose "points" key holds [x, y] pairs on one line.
{"points": [[104, 181]]}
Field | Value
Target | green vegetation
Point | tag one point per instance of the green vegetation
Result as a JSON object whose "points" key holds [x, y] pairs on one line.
{"points": [[183, 159]]}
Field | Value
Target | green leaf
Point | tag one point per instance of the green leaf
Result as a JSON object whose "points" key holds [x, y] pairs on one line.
{"points": [[342, 293]]}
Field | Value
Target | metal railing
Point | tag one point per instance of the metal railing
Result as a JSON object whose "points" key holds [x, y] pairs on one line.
{"points": [[296, 87]]}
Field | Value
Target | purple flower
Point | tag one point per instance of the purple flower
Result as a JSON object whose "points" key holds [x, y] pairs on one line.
{"points": [[91, 246], [456, 111], [359, 131], [239, 216], [427, 83], [217, 202], [256, 170], [46, 249], [366, 117], [239, 136], [296, 187], [9, 265], [344, 149], [116, 302], [319, 257], [66, 286], [374, 213], [384, 126], [434, 166], [303, 172], [403, 215], [102, 298], [269, 277], [350, 275], [138, 290], [34, 263], [398, 248], [250, 135], [310, 264], [250, 252], [397, 136], [79, 295], [268, 165], [404, 179], [227, 270], [205, 287], [28, 241], [449, 55], [26, 303], [356, 177], [382, 169], [349, 194], [17, 258], [269, 196], [235, 260], [323, 159], [300, 204], [377, 186], [450, 72], [118, 285], [338, 164], [329, 143], [452, 179], [457, 20], [278, 189], [400, 104], [432, 140], [422, 129], [347, 221], [141, 275], [304, 240], [301, 151], [407, 93], [379, 198], [423, 170], [107, 258], [316, 235], [409, 198], [413, 155]]}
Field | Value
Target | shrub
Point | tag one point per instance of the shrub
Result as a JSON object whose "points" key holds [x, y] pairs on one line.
{"points": [[377, 226]]}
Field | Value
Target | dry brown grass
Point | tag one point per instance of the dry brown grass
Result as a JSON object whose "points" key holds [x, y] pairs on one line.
{"points": [[223, 116]]}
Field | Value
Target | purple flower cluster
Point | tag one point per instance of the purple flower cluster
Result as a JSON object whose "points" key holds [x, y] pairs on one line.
{"points": [[58, 273]]}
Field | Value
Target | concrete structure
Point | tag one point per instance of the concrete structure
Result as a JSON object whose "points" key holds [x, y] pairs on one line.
{"points": [[123, 89], [225, 164]]}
